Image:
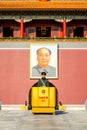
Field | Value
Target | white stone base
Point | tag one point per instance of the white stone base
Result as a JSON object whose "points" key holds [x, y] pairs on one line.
{"points": [[18, 107], [75, 107], [11, 107]]}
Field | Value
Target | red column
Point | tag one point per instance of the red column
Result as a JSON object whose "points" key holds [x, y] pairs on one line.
{"points": [[22, 28], [64, 28], [85, 33]]}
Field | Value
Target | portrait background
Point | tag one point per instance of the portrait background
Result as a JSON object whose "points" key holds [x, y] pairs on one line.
{"points": [[53, 58]]}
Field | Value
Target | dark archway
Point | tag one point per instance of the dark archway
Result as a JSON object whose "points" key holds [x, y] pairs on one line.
{"points": [[43, 31], [78, 32], [7, 32]]}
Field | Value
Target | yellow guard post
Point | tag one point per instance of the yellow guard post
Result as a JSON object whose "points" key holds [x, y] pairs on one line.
{"points": [[43, 99]]}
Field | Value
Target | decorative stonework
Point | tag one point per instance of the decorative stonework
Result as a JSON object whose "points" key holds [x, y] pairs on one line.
{"points": [[61, 20]]}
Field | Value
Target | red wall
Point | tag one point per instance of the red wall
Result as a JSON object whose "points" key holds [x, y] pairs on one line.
{"points": [[72, 83], [15, 82], [14, 76]]}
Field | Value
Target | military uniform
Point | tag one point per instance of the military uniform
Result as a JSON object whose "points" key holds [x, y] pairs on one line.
{"points": [[43, 82]]}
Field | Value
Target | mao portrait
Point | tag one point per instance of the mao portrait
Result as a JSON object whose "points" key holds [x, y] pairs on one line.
{"points": [[43, 59]]}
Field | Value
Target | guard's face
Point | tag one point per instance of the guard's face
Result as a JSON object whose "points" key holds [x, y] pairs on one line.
{"points": [[43, 76], [43, 58]]}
